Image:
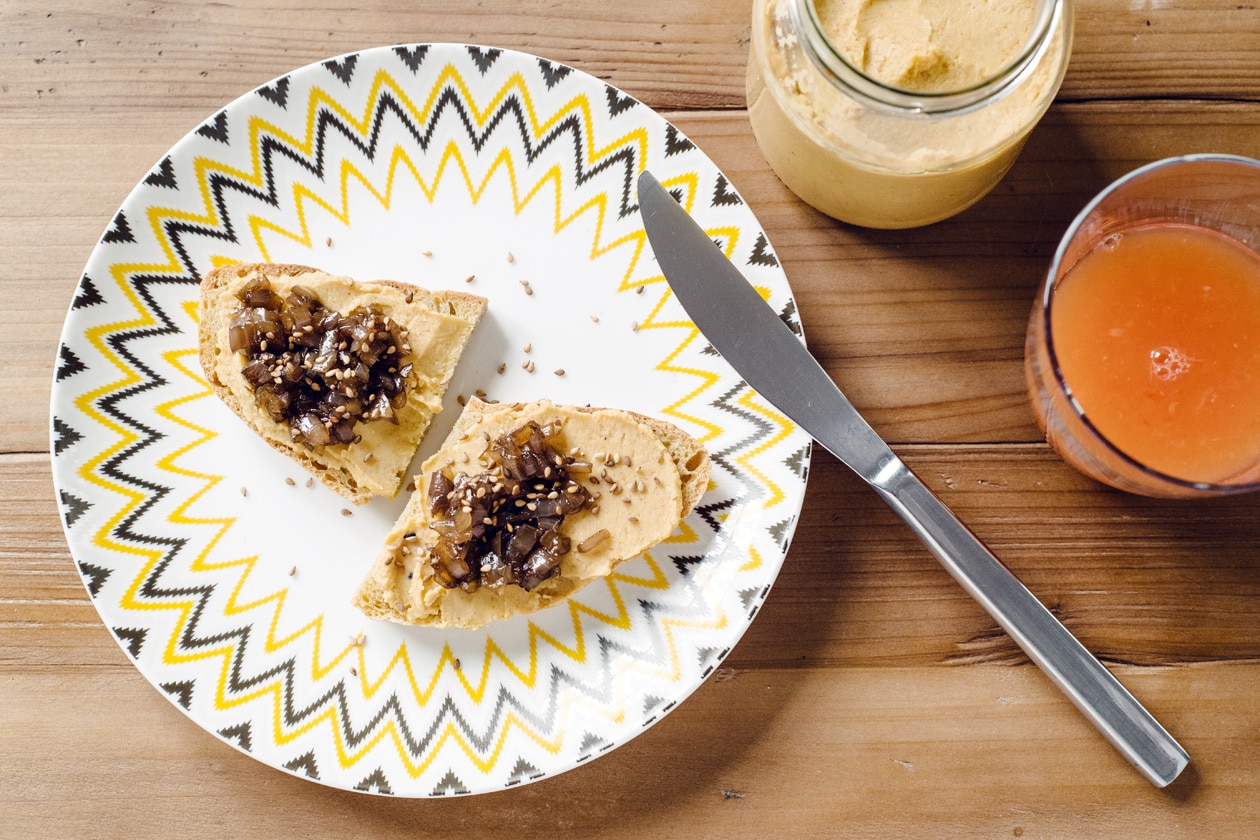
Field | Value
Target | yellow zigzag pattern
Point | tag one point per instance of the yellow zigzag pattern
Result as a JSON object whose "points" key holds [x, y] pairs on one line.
{"points": [[550, 184]]}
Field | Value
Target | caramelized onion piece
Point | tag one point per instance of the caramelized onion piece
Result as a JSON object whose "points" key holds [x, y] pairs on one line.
{"points": [[320, 372], [500, 527]]}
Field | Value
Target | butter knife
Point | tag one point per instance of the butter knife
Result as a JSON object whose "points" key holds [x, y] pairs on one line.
{"points": [[773, 361]]}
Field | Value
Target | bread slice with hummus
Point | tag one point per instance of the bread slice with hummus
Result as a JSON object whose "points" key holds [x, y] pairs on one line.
{"points": [[609, 484], [343, 376]]}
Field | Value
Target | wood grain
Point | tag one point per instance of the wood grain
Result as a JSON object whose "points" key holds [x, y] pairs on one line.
{"points": [[871, 697]]}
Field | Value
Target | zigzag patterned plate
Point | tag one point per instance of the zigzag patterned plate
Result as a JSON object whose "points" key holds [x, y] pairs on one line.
{"points": [[226, 579]]}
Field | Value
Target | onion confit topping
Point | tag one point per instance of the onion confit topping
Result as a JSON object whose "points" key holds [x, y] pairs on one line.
{"points": [[320, 372], [502, 526]]}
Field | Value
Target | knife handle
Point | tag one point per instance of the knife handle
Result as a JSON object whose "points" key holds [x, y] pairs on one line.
{"points": [[1099, 695]]}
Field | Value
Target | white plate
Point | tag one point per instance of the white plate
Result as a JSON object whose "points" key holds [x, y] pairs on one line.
{"points": [[229, 587]]}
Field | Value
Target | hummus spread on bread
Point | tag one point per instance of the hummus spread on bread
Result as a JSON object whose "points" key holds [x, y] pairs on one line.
{"points": [[431, 335], [635, 484]]}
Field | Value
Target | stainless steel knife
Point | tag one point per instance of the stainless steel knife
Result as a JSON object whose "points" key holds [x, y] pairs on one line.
{"points": [[773, 361]]}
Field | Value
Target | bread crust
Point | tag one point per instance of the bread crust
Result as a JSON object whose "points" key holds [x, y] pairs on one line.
{"points": [[217, 305], [385, 595]]}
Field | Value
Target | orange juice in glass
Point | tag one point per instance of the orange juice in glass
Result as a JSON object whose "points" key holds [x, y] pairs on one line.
{"points": [[1143, 350]]}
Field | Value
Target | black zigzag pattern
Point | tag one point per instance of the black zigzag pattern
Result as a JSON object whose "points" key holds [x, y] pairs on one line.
{"points": [[66, 436], [788, 316], [343, 69], [133, 639], [94, 577], [305, 763], [618, 102], [762, 430], [216, 129], [277, 92], [72, 508], [552, 72], [242, 734], [69, 364], [450, 105], [119, 230], [723, 195], [181, 692], [86, 295], [762, 255], [675, 142], [413, 57], [376, 781], [163, 175], [484, 58]]}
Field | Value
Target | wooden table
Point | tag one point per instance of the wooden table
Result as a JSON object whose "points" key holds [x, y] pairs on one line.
{"points": [[871, 697]]}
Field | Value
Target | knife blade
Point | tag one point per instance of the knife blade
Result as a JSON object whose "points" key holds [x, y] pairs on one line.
{"points": [[747, 332]]}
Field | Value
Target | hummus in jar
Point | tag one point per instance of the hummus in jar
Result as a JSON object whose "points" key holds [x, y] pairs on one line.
{"points": [[885, 142]]}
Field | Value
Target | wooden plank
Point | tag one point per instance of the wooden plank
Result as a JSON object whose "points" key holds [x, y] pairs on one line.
{"points": [[971, 752], [688, 54]]}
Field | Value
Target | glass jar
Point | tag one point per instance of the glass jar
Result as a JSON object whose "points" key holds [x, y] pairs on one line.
{"points": [[900, 153]]}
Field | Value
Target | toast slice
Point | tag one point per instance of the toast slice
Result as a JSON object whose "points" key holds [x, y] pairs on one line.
{"points": [[642, 476], [432, 327]]}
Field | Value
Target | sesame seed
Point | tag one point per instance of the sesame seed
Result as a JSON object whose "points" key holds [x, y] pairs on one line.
{"points": [[368, 457], [529, 347], [427, 253], [529, 291], [310, 482], [244, 491], [409, 296], [328, 242], [289, 481], [460, 399], [639, 290], [634, 325], [559, 371], [354, 672], [470, 278], [502, 367], [480, 393], [293, 571], [345, 511], [510, 257], [634, 520], [456, 664]]}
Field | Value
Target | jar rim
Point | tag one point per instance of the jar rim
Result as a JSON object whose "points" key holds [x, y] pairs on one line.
{"points": [[829, 59]]}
